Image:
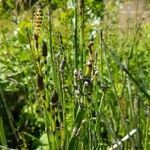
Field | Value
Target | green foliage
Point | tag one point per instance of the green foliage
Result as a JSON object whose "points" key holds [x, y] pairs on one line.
{"points": [[87, 88]]}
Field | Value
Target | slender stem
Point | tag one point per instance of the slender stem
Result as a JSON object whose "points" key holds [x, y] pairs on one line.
{"points": [[53, 70], [112, 83], [2, 133], [81, 29], [47, 124], [129, 74], [76, 35], [101, 58], [146, 132]]}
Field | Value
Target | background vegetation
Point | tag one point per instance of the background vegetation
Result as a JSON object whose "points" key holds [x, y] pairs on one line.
{"points": [[71, 77]]}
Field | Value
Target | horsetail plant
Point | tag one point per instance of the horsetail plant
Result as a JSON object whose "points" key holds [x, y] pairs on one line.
{"points": [[89, 95], [42, 93]]}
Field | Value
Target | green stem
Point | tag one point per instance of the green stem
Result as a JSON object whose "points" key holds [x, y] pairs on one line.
{"points": [[47, 126], [53, 138], [112, 82], [2, 133], [81, 29], [129, 74], [76, 36]]}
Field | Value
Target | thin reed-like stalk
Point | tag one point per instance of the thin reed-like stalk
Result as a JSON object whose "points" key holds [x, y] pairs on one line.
{"points": [[2, 133], [129, 74], [112, 84], [81, 30], [76, 55]]}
